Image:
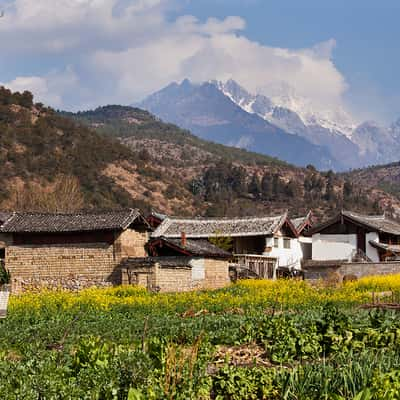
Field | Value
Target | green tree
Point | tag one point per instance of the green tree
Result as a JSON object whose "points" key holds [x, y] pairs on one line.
{"points": [[255, 185]]}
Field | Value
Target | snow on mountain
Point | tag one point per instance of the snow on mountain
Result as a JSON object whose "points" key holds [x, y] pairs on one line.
{"points": [[228, 113], [208, 112], [283, 97]]}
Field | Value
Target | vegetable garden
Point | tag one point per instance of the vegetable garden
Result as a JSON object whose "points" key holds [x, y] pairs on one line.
{"points": [[252, 340]]}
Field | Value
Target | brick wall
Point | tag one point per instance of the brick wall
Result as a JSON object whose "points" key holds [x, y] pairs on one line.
{"points": [[357, 269], [177, 278], [132, 243], [174, 279], [71, 266], [217, 274]]}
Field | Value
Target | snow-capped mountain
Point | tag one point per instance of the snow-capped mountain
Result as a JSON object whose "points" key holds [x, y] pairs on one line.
{"points": [[283, 103], [209, 113], [355, 145], [308, 124], [226, 112]]}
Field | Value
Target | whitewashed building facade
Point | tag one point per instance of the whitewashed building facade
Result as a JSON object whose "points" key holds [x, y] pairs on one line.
{"points": [[354, 237]]}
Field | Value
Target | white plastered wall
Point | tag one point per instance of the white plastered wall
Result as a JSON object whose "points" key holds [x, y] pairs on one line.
{"points": [[372, 252], [198, 269], [333, 247], [286, 257]]}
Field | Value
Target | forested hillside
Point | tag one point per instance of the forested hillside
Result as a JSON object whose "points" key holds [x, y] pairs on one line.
{"points": [[124, 157], [213, 179], [39, 151]]}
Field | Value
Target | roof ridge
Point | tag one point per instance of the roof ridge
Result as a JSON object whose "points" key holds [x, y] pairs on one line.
{"points": [[216, 219], [80, 212], [13, 214], [128, 219]]}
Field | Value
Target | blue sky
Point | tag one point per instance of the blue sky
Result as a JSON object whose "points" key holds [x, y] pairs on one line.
{"points": [[81, 53], [367, 34]]}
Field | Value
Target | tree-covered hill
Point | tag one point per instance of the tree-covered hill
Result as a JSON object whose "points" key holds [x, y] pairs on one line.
{"points": [[119, 156], [221, 180]]}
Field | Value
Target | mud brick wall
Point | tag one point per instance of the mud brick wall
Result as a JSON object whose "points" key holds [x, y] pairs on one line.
{"points": [[173, 279], [216, 274], [166, 279], [131, 243], [358, 269], [71, 266]]}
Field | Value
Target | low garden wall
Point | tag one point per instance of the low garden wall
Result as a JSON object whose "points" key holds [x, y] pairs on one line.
{"points": [[353, 269]]}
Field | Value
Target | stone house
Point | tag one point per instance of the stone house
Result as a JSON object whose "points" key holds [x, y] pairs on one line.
{"points": [[73, 250], [259, 244], [179, 265], [303, 225]]}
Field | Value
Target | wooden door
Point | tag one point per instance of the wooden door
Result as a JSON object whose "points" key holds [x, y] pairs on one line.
{"points": [[361, 241]]}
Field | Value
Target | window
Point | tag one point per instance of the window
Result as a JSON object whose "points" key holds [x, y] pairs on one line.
{"points": [[286, 243], [276, 242]]}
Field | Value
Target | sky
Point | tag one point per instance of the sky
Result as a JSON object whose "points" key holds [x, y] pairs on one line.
{"points": [[78, 54]]}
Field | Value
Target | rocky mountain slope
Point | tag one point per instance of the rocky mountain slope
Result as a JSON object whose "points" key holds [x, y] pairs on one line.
{"points": [[345, 143]]}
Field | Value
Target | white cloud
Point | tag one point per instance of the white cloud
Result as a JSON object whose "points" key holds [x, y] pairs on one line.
{"points": [[121, 50], [36, 85]]}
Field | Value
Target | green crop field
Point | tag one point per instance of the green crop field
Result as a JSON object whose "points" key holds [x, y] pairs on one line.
{"points": [[252, 340]]}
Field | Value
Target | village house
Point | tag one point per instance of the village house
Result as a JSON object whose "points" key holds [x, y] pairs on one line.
{"points": [[261, 244], [179, 265], [355, 245], [303, 226], [70, 250]]}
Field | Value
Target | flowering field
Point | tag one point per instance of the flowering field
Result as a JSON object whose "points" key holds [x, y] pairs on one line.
{"points": [[252, 340]]}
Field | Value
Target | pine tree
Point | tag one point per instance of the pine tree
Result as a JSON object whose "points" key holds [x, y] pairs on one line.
{"points": [[266, 186], [255, 185]]}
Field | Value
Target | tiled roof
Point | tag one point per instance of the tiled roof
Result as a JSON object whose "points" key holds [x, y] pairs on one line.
{"points": [[300, 222], [214, 227], [394, 248], [4, 216], [376, 222], [29, 222], [177, 262], [196, 247]]}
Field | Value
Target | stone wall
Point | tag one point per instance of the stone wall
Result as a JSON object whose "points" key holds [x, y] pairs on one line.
{"points": [[357, 269], [72, 266]]}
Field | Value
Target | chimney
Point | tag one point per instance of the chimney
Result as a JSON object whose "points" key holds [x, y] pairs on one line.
{"points": [[183, 239]]}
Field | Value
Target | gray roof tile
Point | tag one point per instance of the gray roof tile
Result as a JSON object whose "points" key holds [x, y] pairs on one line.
{"points": [[29, 222], [197, 247], [214, 227]]}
